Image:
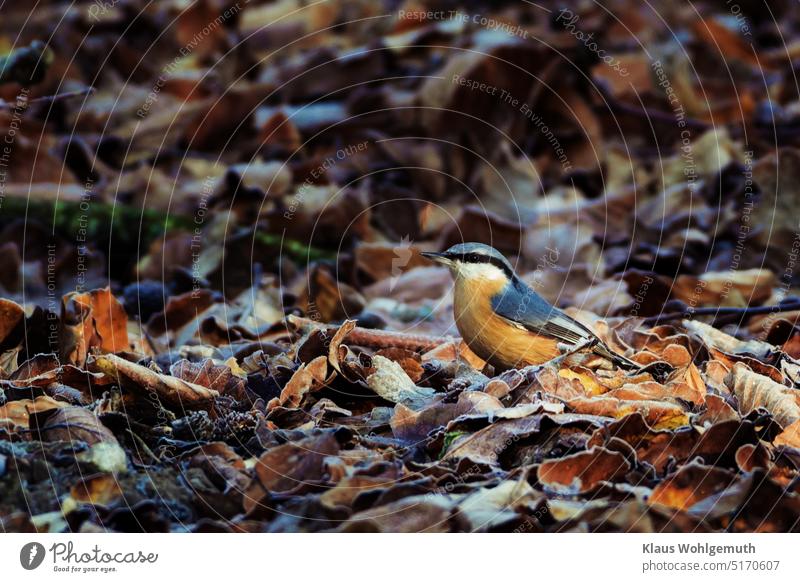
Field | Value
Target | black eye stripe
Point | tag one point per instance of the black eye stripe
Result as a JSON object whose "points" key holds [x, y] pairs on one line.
{"points": [[487, 259]]}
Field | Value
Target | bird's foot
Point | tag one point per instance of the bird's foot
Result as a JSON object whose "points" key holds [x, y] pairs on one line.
{"points": [[584, 344], [568, 350]]}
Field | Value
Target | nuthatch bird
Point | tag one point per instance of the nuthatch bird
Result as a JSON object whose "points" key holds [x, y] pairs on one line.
{"points": [[503, 320]]}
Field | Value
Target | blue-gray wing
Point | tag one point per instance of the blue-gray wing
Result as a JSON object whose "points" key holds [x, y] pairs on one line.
{"points": [[522, 306]]}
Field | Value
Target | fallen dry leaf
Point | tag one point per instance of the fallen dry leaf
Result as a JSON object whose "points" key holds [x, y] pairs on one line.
{"points": [[582, 472], [172, 391], [215, 313]]}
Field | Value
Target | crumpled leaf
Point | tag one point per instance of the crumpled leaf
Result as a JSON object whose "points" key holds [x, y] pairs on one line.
{"points": [[93, 319], [390, 382], [412, 514], [583, 471], [691, 484], [227, 379], [16, 415], [307, 378], [757, 391], [173, 392], [724, 342], [178, 340], [658, 414], [489, 508], [75, 423], [414, 425], [98, 490], [10, 316], [294, 466]]}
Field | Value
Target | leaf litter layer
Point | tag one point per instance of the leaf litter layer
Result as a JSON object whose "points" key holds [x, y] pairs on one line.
{"points": [[215, 315]]}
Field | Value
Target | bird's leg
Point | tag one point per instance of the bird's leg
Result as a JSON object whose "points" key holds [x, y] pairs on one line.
{"points": [[584, 344], [568, 349]]}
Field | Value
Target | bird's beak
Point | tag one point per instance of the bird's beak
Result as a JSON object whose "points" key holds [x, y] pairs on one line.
{"points": [[437, 257]]}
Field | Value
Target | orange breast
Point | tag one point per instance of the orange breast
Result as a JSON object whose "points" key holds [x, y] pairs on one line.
{"points": [[491, 337]]}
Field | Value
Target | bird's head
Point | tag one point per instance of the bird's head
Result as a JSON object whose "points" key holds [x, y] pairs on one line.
{"points": [[473, 261]]}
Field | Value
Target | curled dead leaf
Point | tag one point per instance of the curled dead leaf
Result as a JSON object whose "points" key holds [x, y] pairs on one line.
{"points": [[390, 382], [583, 471], [92, 320], [173, 392], [307, 378], [293, 466], [15, 415], [658, 414], [756, 391], [691, 484]]}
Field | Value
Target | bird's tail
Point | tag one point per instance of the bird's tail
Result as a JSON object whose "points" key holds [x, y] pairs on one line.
{"points": [[602, 350]]}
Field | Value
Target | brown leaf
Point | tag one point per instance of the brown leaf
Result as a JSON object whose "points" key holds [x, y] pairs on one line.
{"points": [[453, 351], [71, 423], [790, 436], [656, 447], [377, 259], [98, 490], [349, 488], [780, 190], [45, 371], [408, 360], [582, 472], [10, 316], [222, 378], [390, 382], [489, 508], [691, 484], [658, 414], [328, 299], [718, 444], [717, 410], [290, 468], [307, 378], [488, 444], [180, 310], [414, 426], [752, 456], [757, 391], [420, 513], [336, 342], [752, 286], [92, 320], [655, 391], [720, 340], [15, 415], [723, 41], [173, 392]]}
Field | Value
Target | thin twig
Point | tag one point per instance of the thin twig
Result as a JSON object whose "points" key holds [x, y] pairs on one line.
{"points": [[617, 106], [743, 312], [375, 338], [50, 98]]}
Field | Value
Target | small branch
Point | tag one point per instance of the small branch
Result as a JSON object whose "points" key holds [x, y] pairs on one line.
{"points": [[617, 106], [49, 98], [742, 312], [374, 338]]}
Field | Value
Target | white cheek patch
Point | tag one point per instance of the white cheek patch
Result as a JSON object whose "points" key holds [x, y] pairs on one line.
{"points": [[479, 271]]}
